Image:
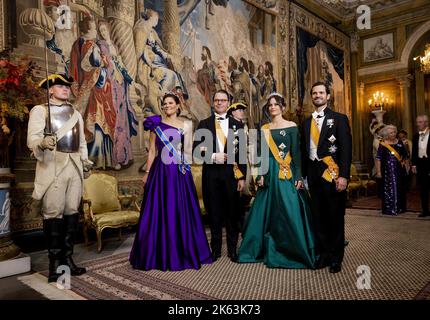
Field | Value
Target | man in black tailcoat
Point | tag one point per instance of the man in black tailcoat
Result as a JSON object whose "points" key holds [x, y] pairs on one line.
{"points": [[224, 152], [327, 153]]}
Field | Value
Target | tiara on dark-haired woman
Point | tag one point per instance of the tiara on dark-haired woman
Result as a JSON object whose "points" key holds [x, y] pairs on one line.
{"points": [[276, 94]]}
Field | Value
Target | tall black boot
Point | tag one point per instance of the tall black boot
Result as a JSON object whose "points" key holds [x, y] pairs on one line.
{"points": [[53, 229], [70, 229]]}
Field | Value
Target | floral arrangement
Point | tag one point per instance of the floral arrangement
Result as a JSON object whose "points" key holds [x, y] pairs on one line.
{"points": [[18, 89]]}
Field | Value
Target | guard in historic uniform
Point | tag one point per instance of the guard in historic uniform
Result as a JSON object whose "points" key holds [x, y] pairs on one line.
{"points": [[56, 138]]}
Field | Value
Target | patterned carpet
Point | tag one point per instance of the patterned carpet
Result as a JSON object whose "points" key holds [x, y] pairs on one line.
{"points": [[396, 250]]}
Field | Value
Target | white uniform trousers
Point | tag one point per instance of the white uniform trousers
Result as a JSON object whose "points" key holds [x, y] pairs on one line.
{"points": [[63, 196]]}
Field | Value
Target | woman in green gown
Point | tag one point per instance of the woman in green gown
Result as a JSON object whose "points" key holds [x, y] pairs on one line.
{"points": [[278, 228]]}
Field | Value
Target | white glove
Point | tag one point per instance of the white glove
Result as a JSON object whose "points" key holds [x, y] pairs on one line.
{"points": [[219, 158], [87, 165], [48, 142]]}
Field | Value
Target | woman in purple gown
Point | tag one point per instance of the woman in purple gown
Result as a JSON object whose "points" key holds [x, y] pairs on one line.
{"points": [[390, 166], [170, 233]]}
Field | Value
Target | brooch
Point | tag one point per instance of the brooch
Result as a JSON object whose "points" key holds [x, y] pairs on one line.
{"points": [[332, 149], [330, 122], [283, 133], [281, 154], [235, 141], [282, 146], [332, 139]]}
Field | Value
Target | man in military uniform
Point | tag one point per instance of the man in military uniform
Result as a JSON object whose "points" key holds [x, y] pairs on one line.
{"points": [[58, 143]]}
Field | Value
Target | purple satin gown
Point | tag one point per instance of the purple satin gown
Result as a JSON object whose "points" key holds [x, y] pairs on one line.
{"points": [[170, 233]]}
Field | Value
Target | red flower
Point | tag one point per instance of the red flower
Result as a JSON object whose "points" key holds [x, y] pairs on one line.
{"points": [[17, 87]]}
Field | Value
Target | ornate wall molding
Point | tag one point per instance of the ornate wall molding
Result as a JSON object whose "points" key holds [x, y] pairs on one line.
{"points": [[283, 45], [404, 59], [316, 26], [346, 10]]}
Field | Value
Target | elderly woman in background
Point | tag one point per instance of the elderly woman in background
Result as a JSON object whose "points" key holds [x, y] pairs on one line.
{"points": [[390, 164]]}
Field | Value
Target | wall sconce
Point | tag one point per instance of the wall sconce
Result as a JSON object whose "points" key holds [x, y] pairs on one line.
{"points": [[379, 101], [377, 105]]}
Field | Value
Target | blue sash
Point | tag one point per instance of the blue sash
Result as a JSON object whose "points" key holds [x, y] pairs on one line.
{"points": [[183, 166]]}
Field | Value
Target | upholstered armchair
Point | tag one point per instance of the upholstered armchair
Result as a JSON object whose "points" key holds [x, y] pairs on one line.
{"points": [[355, 183], [367, 182], [105, 208]]}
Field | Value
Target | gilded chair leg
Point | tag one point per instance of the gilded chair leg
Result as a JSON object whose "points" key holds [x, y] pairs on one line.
{"points": [[85, 231], [99, 240]]}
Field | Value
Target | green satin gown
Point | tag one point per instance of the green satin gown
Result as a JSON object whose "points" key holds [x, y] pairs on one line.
{"points": [[278, 228]]}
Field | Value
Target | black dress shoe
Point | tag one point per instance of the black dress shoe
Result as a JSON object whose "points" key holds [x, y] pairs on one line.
{"points": [[233, 257], [335, 268], [321, 264], [215, 256]]}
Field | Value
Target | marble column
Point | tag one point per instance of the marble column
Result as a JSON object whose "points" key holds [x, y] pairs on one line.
{"points": [[420, 92], [268, 29], [405, 102], [172, 31], [358, 106], [358, 133]]}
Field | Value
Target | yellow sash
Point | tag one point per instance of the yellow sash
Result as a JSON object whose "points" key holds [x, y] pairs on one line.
{"points": [[220, 134], [284, 164], [332, 171], [315, 133], [392, 151]]}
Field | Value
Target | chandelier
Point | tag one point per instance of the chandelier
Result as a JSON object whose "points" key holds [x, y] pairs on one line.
{"points": [[425, 60]]}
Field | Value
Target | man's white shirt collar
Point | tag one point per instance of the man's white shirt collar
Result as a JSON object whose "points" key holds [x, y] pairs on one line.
{"points": [[315, 114], [223, 116], [424, 132]]}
